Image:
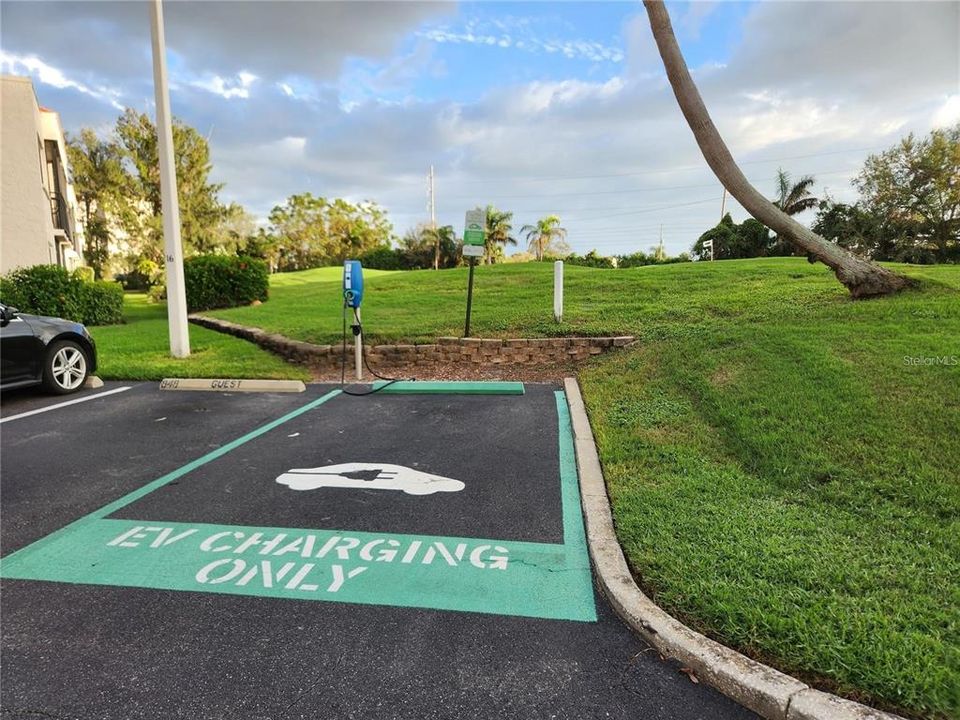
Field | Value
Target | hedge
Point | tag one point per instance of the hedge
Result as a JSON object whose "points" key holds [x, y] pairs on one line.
{"points": [[219, 281], [384, 258], [51, 290]]}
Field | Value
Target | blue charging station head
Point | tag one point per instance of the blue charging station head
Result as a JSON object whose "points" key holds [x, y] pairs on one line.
{"points": [[352, 283]]}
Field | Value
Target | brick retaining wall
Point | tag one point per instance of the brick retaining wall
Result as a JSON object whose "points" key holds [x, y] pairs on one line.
{"points": [[477, 351]]}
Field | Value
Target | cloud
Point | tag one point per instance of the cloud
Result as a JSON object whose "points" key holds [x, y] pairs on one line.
{"points": [[850, 51], [49, 75], [575, 49], [274, 38], [948, 114], [238, 87], [691, 22], [610, 153]]}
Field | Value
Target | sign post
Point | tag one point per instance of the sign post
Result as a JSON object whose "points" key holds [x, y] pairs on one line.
{"points": [[474, 238]]}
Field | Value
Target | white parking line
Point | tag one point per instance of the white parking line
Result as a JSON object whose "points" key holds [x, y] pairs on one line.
{"points": [[64, 404]]}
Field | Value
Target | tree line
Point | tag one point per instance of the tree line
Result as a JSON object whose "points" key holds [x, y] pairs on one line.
{"points": [[117, 182], [908, 209]]}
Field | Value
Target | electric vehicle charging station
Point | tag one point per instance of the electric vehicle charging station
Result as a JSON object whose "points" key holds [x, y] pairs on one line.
{"points": [[352, 297]]}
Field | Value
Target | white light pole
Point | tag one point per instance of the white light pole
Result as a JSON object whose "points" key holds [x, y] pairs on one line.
{"points": [[173, 251]]}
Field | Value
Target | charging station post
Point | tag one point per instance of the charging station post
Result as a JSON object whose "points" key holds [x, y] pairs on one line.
{"points": [[474, 240], [352, 297]]}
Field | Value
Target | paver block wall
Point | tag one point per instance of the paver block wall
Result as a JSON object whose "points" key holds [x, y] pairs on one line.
{"points": [[479, 351]]}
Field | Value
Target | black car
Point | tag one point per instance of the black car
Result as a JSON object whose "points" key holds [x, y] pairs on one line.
{"points": [[38, 350]]}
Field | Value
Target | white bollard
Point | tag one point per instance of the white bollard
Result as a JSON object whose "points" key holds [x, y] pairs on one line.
{"points": [[558, 291]]}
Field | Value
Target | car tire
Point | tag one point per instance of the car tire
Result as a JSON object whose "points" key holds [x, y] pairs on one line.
{"points": [[65, 367]]}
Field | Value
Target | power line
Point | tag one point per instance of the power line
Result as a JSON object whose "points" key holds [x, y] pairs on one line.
{"points": [[646, 210], [669, 170], [633, 190]]}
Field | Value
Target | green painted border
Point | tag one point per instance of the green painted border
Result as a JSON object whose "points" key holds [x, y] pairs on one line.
{"points": [[171, 476], [574, 534], [544, 580], [416, 387]]}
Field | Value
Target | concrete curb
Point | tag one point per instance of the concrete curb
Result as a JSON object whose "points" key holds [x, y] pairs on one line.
{"points": [[766, 691]]}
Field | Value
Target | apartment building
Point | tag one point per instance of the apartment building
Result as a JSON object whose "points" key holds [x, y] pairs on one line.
{"points": [[38, 208]]}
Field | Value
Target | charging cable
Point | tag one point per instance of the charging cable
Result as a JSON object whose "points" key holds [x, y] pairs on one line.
{"points": [[357, 329]]}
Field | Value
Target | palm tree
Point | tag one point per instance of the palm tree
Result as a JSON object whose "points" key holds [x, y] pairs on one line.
{"points": [[498, 233], [543, 234], [861, 277], [444, 241], [794, 198]]}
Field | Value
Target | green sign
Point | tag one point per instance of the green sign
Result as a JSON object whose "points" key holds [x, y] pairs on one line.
{"points": [[505, 577], [475, 227]]}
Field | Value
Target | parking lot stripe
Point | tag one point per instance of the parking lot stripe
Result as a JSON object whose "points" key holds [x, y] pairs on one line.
{"points": [[171, 476], [212, 455], [64, 404], [507, 577]]}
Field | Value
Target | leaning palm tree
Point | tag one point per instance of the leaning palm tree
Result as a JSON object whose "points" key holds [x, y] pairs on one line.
{"points": [[794, 198], [543, 234], [498, 236], [861, 277]]}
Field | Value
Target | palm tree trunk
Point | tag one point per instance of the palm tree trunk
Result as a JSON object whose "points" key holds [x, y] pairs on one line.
{"points": [[861, 277]]}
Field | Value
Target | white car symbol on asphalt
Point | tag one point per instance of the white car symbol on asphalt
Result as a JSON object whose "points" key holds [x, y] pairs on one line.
{"points": [[369, 476]]}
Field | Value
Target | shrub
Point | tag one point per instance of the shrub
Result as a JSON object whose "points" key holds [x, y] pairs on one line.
{"points": [[384, 258], [43, 290], [51, 290], [591, 259], [84, 273], [219, 281], [157, 293], [101, 303]]}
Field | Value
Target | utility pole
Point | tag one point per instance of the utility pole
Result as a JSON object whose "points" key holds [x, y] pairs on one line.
{"points": [[173, 250], [723, 204], [433, 223]]}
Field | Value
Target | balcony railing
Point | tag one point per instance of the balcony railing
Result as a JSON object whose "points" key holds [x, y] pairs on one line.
{"points": [[60, 214]]}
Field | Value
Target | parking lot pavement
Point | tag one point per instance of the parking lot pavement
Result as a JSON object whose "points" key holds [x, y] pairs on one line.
{"points": [[209, 555]]}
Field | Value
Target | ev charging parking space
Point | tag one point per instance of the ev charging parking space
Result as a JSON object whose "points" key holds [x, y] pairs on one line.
{"points": [[105, 617], [496, 528]]}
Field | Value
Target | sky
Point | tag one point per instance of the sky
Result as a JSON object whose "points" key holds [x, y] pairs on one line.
{"points": [[539, 108]]}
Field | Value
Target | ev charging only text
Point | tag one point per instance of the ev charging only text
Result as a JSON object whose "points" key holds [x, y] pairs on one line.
{"points": [[306, 562]]}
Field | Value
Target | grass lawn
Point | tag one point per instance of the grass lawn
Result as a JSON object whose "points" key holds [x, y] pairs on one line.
{"points": [[782, 477], [139, 349]]}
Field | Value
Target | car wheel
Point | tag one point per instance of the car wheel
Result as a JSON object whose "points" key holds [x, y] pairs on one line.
{"points": [[65, 367]]}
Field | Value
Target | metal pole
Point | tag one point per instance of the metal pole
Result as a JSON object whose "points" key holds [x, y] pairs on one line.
{"points": [[723, 204], [466, 330], [173, 250], [358, 348]]}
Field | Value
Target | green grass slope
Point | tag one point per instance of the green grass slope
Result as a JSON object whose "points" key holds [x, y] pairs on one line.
{"points": [[139, 349], [783, 462]]}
